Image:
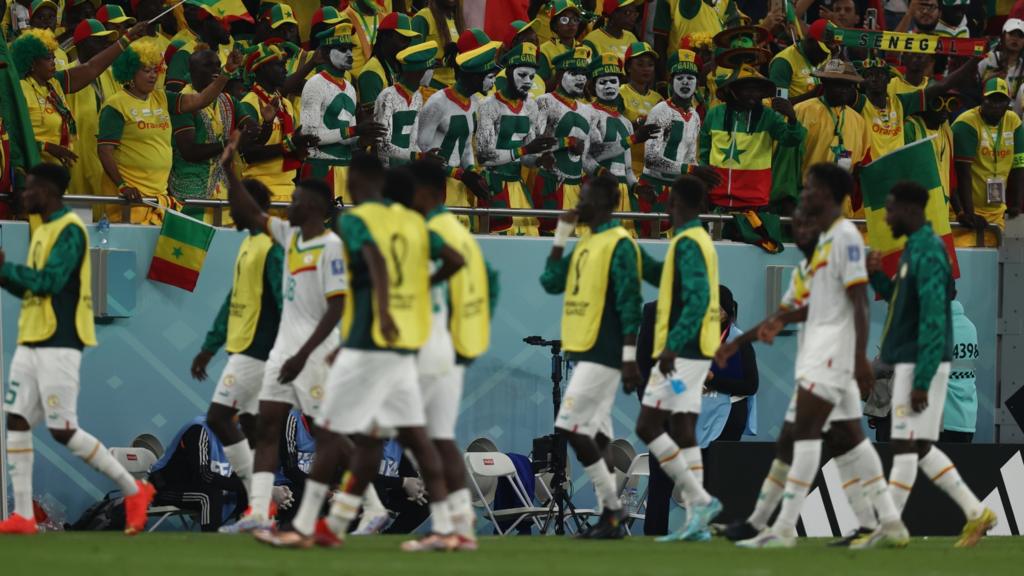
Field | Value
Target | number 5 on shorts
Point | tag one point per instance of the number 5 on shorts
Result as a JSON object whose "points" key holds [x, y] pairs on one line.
{"points": [[12, 393]]}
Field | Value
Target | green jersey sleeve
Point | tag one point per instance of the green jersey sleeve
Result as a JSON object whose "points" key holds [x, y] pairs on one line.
{"points": [[965, 141]]}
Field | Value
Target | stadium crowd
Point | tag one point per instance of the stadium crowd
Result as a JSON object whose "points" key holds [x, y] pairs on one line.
{"points": [[137, 98]]}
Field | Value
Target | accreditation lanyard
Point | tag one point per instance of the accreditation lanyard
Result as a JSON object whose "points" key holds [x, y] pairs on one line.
{"points": [[996, 141], [837, 123]]}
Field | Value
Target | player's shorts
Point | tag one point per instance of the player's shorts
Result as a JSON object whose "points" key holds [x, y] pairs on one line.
{"points": [[441, 397], [44, 384], [587, 405], [306, 392], [910, 425], [372, 392], [680, 392], [848, 408], [240, 383]]}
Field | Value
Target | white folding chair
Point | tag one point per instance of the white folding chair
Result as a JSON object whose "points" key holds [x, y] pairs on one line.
{"points": [[137, 461], [634, 491], [484, 466], [188, 518]]}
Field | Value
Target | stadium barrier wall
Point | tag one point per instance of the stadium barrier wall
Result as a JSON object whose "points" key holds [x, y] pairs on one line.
{"points": [[138, 380]]}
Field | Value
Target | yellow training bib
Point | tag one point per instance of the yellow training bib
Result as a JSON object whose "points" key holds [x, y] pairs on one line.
{"points": [[710, 330], [247, 292], [38, 320], [470, 321], [587, 286]]}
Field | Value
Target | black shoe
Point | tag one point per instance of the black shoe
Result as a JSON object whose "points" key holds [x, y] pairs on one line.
{"points": [[845, 542], [611, 526], [740, 531]]}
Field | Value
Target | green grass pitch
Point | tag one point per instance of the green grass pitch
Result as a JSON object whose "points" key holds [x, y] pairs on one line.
{"points": [[192, 554]]}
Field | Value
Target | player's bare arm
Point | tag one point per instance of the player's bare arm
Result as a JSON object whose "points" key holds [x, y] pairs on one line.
{"points": [[451, 262]]}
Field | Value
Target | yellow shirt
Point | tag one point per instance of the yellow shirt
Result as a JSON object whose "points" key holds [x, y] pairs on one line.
{"points": [[831, 130], [548, 52], [603, 42], [992, 152], [800, 79], [364, 32], [47, 124], [706, 21], [143, 150], [885, 125], [443, 76], [899, 85], [637, 106], [270, 172], [87, 173]]}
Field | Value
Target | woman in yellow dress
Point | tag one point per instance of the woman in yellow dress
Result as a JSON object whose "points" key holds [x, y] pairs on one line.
{"points": [[134, 142]]}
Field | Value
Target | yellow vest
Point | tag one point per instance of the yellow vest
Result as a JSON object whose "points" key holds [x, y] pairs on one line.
{"points": [[586, 287], [470, 321], [710, 330], [402, 238], [247, 291], [38, 321]]}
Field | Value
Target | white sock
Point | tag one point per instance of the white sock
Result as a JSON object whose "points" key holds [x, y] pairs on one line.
{"points": [[440, 518], [943, 473], [344, 509], [901, 478], [854, 489], [240, 457], [19, 461], [460, 506], [806, 458], [674, 464], [771, 494], [695, 461], [371, 501], [259, 496], [604, 485], [95, 454], [876, 489], [309, 509]]}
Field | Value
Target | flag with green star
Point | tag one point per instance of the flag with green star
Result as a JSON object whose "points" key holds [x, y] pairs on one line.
{"points": [[180, 251]]}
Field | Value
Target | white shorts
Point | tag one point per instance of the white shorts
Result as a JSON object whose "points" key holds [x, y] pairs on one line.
{"points": [[44, 383], [910, 425], [441, 397], [306, 392], [848, 408], [372, 392], [240, 383], [680, 392], [587, 405]]}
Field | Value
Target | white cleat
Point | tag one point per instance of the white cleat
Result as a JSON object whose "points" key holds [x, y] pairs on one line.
{"points": [[892, 535], [768, 539], [372, 522], [247, 524]]}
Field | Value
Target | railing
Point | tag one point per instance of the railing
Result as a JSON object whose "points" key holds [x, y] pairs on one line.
{"points": [[484, 213]]}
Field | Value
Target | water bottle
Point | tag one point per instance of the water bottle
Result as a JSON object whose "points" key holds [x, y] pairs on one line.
{"points": [[103, 230]]}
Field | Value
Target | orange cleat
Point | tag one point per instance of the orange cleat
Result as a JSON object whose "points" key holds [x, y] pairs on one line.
{"points": [[432, 543], [19, 525], [324, 537], [136, 506]]}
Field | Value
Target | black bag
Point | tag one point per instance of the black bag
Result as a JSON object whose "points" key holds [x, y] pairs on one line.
{"points": [[107, 514]]}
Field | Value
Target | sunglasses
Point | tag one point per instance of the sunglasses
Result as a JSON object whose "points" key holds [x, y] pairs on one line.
{"points": [[944, 104], [565, 20]]}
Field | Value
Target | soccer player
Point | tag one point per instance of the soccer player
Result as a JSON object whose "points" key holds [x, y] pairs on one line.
{"points": [[842, 432], [398, 106], [460, 332], [917, 343], [508, 136], [387, 250], [329, 113], [600, 317], [569, 117], [55, 324], [247, 323], [831, 358], [686, 337], [447, 120], [314, 287]]}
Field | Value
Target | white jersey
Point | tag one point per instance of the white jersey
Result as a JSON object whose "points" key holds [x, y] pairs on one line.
{"points": [[329, 112], [446, 123], [313, 272], [796, 295], [609, 144], [563, 121], [675, 146], [398, 112], [829, 334], [502, 127]]}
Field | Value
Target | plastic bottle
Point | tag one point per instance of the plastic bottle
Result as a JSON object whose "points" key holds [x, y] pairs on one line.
{"points": [[103, 231]]}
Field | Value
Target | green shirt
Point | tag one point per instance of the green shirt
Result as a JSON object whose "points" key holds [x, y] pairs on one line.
{"points": [[270, 311], [193, 179], [59, 279], [919, 327], [623, 303], [354, 234]]}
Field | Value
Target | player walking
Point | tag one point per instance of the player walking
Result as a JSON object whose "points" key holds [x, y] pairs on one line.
{"points": [[55, 324], [247, 323], [831, 357], [917, 343], [600, 317]]}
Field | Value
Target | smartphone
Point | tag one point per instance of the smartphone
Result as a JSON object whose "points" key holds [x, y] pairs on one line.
{"points": [[782, 93], [870, 18]]}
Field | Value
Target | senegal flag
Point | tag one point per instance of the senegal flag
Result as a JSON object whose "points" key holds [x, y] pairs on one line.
{"points": [[226, 11], [915, 162], [180, 251]]}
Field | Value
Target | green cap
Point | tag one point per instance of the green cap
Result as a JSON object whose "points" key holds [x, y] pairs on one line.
{"points": [[576, 59], [37, 4], [556, 7], [606, 64], [338, 35], [418, 57], [477, 52], [683, 62], [639, 49], [524, 54], [282, 14], [996, 85]]}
